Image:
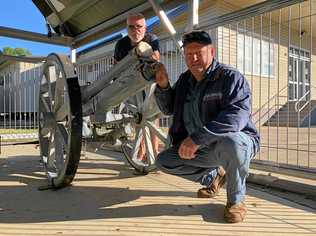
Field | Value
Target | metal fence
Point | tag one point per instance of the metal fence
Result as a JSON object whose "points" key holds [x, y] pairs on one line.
{"points": [[19, 85], [91, 70], [275, 51]]}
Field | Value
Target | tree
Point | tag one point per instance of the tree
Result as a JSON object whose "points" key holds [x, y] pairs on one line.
{"points": [[8, 51], [16, 51], [22, 52]]}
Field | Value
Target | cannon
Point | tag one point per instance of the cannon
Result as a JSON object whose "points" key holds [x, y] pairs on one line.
{"points": [[63, 104]]}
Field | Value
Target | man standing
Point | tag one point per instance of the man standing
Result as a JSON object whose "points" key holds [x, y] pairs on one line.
{"points": [[213, 137], [136, 27]]}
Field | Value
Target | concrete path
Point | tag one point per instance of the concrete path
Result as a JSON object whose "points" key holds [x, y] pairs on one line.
{"points": [[106, 199]]}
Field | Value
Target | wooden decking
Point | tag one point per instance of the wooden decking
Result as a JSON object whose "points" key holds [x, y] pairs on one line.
{"points": [[106, 199]]}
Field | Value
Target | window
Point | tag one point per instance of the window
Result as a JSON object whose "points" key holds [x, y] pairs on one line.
{"points": [[251, 52]]}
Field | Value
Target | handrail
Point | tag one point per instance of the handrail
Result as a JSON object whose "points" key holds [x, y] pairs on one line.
{"points": [[301, 98], [273, 97]]}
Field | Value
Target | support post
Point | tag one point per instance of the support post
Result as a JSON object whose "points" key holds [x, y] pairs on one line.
{"points": [[166, 22], [193, 20], [73, 55]]}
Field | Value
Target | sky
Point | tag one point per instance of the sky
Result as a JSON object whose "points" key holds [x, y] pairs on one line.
{"points": [[22, 14]]}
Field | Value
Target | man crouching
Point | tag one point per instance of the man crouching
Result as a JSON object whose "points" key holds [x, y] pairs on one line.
{"points": [[213, 137]]}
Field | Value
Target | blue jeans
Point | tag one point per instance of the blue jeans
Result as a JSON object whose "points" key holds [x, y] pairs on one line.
{"points": [[233, 152]]}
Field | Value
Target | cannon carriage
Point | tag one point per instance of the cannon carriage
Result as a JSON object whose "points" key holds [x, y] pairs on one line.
{"points": [[63, 104]]}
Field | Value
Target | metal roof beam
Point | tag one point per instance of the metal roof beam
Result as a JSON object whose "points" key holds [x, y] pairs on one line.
{"points": [[36, 37]]}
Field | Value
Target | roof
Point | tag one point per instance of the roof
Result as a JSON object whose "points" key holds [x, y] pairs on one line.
{"points": [[31, 59], [171, 14], [100, 44], [89, 20], [6, 60]]}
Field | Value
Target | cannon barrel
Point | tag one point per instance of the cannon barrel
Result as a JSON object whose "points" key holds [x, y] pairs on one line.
{"points": [[129, 76]]}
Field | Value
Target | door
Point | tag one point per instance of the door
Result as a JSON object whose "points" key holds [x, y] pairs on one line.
{"points": [[299, 74]]}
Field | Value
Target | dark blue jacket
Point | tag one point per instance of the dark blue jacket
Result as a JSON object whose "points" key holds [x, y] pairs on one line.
{"points": [[224, 105], [124, 45]]}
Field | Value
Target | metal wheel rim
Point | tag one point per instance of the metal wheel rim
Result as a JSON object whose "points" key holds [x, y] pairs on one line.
{"points": [[59, 122]]}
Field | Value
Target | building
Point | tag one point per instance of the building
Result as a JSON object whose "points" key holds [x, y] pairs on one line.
{"points": [[19, 85]]}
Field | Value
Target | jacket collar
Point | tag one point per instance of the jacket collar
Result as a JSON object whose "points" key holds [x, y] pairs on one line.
{"points": [[209, 74]]}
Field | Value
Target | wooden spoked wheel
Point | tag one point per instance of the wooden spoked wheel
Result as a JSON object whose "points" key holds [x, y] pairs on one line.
{"points": [[60, 120], [146, 111]]}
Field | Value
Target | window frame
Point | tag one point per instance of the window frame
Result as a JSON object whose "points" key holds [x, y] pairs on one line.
{"points": [[256, 43]]}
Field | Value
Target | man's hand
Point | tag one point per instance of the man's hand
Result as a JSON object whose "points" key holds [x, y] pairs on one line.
{"points": [[187, 149], [156, 55], [162, 76]]}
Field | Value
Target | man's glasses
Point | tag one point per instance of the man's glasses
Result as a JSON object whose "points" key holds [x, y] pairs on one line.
{"points": [[135, 27]]}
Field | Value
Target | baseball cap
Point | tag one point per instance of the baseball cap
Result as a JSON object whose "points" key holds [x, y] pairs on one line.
{"points": [[201, 37]]}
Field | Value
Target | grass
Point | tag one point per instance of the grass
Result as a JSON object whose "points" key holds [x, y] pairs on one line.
{"points": [[17, 131], [24, 140]]}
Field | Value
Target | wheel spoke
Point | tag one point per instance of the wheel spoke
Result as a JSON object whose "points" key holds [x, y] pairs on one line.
{"points": [[50, 76], [51, 151], [62, 134], [51, 73], [44, 131], [148, 98], [45, 104], [62, 112], [59, 94], [150, 108], [44, 146], [149, 146], [60, 149], [47, 121], [153, 128], [137, 143], [121, 107], [45, 87]]}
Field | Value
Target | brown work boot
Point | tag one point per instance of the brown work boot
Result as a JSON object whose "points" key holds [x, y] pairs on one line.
{"points": [[213, 189], [235, 213]]}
